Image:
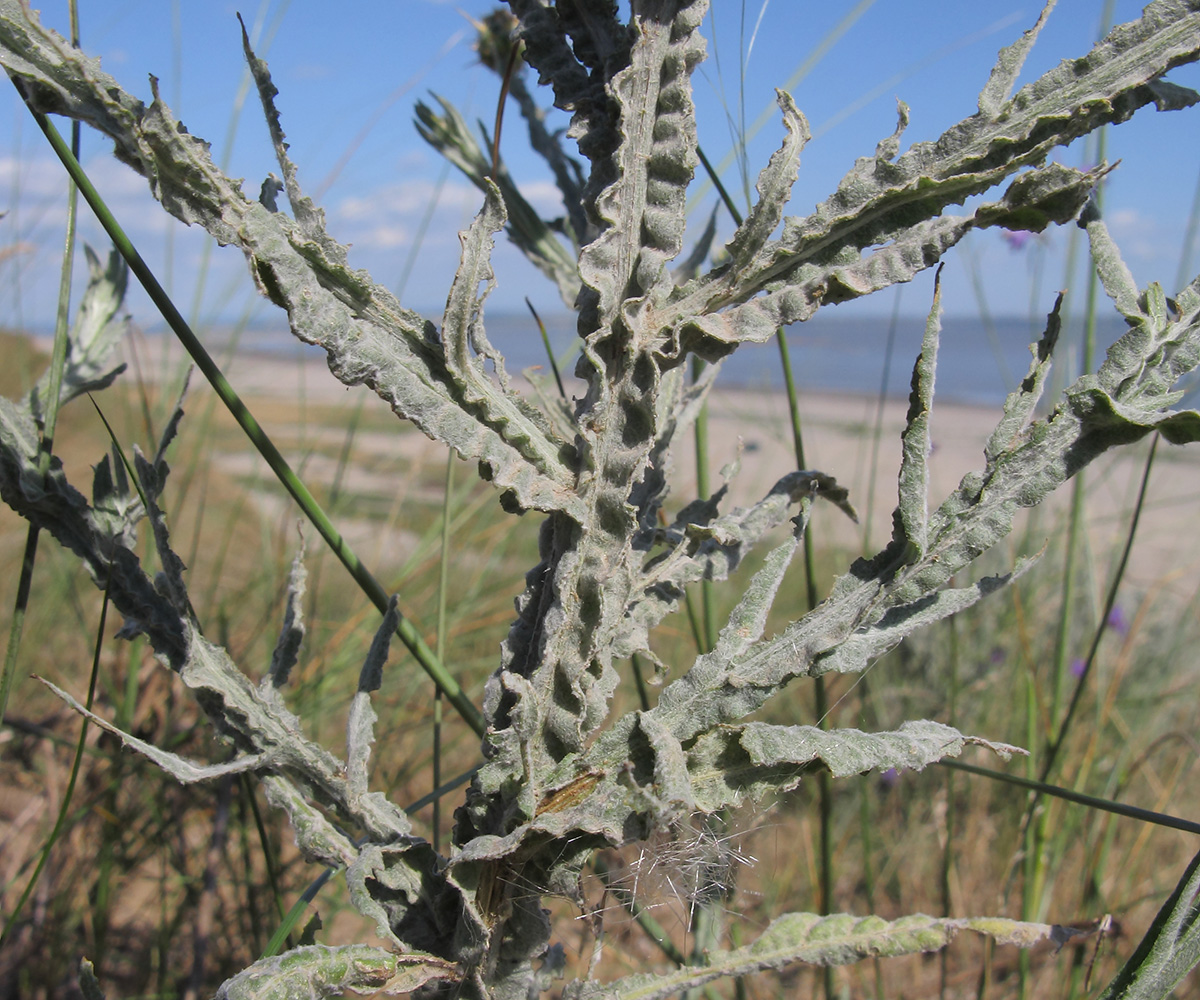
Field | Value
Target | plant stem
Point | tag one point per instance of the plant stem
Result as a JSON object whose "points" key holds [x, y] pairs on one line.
{"points": [[443, 582], [58, 360], [406, 631]]}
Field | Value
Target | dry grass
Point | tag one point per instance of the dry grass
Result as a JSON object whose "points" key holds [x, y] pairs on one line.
{"points": [[166, 887]]}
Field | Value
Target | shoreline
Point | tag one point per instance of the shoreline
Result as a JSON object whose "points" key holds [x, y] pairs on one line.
{"points": [[839, 440]]}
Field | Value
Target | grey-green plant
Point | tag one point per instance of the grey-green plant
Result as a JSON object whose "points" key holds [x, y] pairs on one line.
{"points": [[561, 777]]}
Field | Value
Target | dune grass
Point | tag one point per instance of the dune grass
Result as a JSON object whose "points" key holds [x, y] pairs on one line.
{"points": [[169, 892], [1095, 863]]}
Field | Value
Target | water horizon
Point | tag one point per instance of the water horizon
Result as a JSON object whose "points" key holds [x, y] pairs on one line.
{"points": [[978, 362]]}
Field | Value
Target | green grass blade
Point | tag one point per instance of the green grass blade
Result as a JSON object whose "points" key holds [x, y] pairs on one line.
{"points": [[1091, 801], [58, 360], [406, 631], [65, 806]]}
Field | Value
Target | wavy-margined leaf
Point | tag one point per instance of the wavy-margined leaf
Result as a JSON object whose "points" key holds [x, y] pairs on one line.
{"points": [[733, 764], [872, 608], [1142, 368], [557, 672], [774, 187], [573, 47], [641, 208], [1020, 403], [711, 549], [1004, 74], [287, 647], [1170, 949], [360, 725], [447, 132], [912, 512], [100, 325], [318, 971], [882, 200], [705, 316], [816, 940], [368, 336]]}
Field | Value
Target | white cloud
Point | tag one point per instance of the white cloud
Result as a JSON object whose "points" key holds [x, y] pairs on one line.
{"points": [[543, 196], [388, 216], [383, 237]]}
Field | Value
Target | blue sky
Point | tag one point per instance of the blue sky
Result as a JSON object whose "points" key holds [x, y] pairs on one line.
{"points": [[348, 84]]}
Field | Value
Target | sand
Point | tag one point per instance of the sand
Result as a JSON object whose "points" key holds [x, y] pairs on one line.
{"points": [[1165, 562]]}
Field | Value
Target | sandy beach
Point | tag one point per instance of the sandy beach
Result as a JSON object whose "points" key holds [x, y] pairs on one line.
{"points": [[838, 435]]}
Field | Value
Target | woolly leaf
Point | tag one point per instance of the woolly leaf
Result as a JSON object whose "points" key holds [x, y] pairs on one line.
{"points": [[1170, 949], [368, 336], [817, 258], [912, 513], [99, 327], [116, 506], [320, 971], [712, 549], [360, 726], [798, 285], [733, 764], [1004, 74], [870, 641], [774, 187], [678, 705], [1020, 403], [641, 210], [291, 635], [182, 770], [817, 940]]}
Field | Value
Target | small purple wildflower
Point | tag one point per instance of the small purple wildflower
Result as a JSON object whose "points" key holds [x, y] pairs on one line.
{"points": [[1078, 666], [890, 778], [1117, 620], [1016, 239]]}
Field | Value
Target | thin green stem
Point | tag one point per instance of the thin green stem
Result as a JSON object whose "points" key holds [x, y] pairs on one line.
{"points": [[58, 360], [549, 350], [1091, 801], [443, 587], [640, 681], [708, 616], [406, 631], [65, 806], [1055, 747]]}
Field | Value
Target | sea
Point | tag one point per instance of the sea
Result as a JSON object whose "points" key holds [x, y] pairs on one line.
{"points": [[979, 362]]}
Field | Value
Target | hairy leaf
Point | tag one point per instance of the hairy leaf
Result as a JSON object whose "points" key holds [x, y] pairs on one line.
{"points": [[912, 513], [449, 135], [817, 940], [1004, 74], [1170, 949], [748, 763], [99, 327], [369, 337], [319, 971]]}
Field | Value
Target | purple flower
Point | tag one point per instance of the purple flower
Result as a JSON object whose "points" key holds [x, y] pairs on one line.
{"points": [[1117, 621], [890, 778], [997, 655], [1078, 667], [1016, 239]]}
